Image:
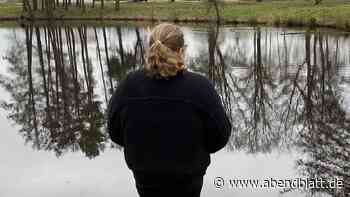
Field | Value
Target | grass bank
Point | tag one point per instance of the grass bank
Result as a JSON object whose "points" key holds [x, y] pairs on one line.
{"points": [[330, 13]]}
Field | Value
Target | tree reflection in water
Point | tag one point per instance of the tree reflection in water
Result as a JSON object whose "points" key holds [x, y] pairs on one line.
{"points": [[325, 137], [276, 105], [281, 90], [60, 105]]}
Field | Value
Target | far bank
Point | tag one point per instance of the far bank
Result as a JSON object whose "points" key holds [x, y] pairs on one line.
{"points": [[330, 13]]}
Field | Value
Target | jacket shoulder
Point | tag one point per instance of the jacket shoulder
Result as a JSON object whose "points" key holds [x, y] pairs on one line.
{"points": [[201, 85], [132, 79], [135, 75], [198, 79]]}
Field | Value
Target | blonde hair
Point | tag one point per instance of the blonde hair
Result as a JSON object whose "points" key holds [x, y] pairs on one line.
{"points": [[165, 57]]}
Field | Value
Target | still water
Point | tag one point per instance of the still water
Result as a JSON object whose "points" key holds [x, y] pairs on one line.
{"points": [[287, 92]]}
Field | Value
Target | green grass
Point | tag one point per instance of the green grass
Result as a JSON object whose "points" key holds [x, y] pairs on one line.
{"points": [[10, 9], [330, 13], [292, 13]]}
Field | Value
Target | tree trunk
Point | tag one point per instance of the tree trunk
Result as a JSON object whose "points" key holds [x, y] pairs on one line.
{"points": [[66, 4], [27, 7], [83, 57], [140, 46], [117, 5], [83, 5], [41, 60], [309, 75], [217, 11], [107, 59], [43, 3], [35, 4], [24, 6], [29, 36], [100, 62], [211, 50], [121, 48]]}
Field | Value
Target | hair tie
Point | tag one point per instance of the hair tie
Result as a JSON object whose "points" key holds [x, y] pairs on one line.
{"points": [[156, 44]]}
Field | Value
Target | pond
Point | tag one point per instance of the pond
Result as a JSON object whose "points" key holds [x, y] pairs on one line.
{"points": [[287, 92]]}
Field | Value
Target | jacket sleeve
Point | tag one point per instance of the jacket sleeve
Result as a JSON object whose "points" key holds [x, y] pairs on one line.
{"points": [[114, 126], [217, 125]]}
